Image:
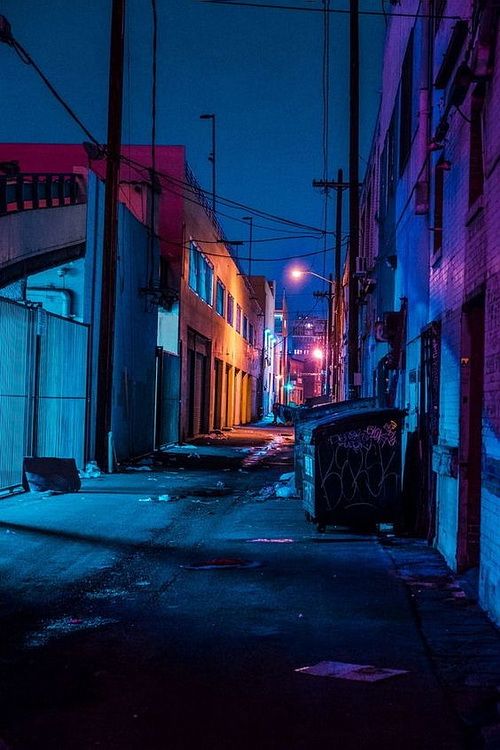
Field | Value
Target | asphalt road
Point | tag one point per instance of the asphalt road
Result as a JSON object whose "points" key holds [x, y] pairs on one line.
{"points": [[113, 637]]}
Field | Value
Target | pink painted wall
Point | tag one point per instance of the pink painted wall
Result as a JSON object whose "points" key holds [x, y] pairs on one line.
{"points": [[170, 164]]}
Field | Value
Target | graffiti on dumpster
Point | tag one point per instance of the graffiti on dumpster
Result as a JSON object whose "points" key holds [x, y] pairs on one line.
{"points": [[360, 465]]}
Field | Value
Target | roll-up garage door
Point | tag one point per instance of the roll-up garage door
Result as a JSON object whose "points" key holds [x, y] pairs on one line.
{"points": [[198, 359]]}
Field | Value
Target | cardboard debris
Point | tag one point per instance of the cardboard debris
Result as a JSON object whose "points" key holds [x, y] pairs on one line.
{"points": [[273, 541], [355, 672]]}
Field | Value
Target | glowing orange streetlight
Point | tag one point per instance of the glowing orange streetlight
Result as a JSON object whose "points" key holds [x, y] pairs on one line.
{"points": [[298, 273]]}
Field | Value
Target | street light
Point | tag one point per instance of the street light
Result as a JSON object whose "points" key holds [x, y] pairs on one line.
{"points": [[298, 273], [211, 156], [250, 241]]}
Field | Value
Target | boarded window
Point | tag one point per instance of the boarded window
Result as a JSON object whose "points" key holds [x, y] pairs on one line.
{"points": [[438, 206], [405, 110], [230, 309], [476, 163]]}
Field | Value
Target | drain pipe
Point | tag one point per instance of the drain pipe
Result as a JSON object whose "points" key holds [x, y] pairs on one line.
{"points": [[424, 119], [111, 453]]}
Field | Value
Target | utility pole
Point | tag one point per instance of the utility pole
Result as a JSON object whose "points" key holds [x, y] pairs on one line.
{"points": [[334, 307], [336, 312], [110, 246], [329, 343], [352, 361]]}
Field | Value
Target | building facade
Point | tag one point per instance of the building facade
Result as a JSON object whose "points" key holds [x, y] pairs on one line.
{"points": [[309, 344], [429, 284], [191, 335]]}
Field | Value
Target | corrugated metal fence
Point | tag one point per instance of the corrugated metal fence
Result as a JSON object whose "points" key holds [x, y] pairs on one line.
{"points": [[43, 388]]}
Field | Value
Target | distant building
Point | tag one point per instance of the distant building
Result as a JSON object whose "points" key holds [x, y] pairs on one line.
{"points": [[265, 291], [296, 380], [308, 344], [281, 352]]}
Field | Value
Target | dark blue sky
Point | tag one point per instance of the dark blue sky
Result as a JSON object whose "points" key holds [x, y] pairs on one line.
{"points": [[258, 70]]}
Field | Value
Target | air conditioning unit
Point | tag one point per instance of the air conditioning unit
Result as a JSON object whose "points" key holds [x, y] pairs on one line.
{"points": [[360, 269]]}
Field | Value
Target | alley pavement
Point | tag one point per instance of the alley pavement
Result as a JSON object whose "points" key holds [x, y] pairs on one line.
{"points": [[185, 602]]}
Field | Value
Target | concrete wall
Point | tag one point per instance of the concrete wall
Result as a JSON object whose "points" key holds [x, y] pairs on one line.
{"points": [[136, 324]]}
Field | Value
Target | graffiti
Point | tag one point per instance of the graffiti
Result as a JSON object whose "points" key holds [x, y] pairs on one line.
{"points": [[361, 467]]}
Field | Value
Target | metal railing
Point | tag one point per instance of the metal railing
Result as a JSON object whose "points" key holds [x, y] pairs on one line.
{"points": [[40, 190]]}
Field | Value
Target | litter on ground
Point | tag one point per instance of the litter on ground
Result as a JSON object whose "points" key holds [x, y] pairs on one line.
{"points": [[355, 672]]}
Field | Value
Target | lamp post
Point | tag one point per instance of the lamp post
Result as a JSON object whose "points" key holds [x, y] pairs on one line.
{"points": [[211, 156], [249, 219], [298, 273]]}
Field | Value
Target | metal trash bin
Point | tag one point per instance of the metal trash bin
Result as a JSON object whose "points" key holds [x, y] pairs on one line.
{"points": [[306, 418], [352, 468]]}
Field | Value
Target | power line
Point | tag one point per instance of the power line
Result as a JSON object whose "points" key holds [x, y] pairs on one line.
{"points": [[306, 9], [228, 202], [326, 119], [103, 151], [229, 256]]}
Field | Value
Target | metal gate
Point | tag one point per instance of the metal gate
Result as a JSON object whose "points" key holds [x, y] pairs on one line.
{"points": [[167, 398], [43, 388], [429, 424]]}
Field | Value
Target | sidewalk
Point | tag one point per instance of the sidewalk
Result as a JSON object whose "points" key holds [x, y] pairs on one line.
{"points": [[462, 643]]}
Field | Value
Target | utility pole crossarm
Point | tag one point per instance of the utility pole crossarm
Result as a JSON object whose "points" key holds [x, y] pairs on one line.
{"points": [[333, 184]]}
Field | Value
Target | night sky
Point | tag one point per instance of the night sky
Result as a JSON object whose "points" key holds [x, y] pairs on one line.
{"points": [[259, 70]]}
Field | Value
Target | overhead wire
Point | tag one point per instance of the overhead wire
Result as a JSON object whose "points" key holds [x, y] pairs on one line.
{"points": [[326, 120], [103, 151], [186, 186], [308, 9], [227, 202], [228, 254], [154, 60]]}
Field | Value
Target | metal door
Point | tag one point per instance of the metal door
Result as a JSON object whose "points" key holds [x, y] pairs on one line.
{"points": [[429, 426]]}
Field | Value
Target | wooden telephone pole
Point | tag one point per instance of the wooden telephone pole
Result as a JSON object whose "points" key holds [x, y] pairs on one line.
{"points": [[110, 244], [334, 299], [352, 332]]}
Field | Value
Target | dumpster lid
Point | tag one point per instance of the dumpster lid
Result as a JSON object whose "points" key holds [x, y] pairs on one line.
{"points": [[304, 417], [351, 419]]}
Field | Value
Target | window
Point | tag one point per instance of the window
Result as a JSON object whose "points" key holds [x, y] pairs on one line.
{"points": [[201, 274], [405, 106], [238, 318], [244, 332], [438, 206], [476, 164], [220, 294], [230, 309], [251, 334]]}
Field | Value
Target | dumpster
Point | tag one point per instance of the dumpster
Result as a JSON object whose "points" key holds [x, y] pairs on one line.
{"points": [[352, 468], [305, 418]]}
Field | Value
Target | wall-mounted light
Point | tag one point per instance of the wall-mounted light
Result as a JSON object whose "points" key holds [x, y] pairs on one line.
{"points": [[444, 164], [435, 146]]}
